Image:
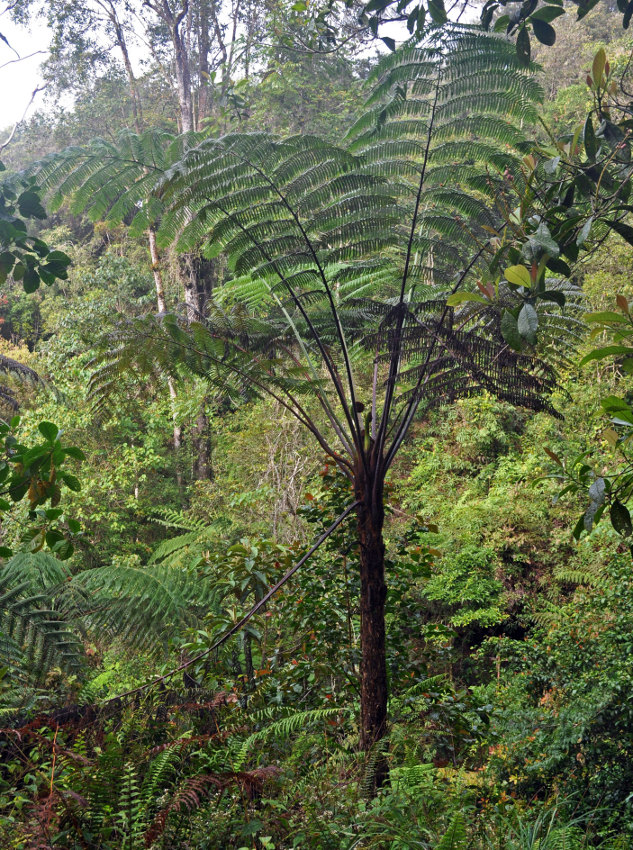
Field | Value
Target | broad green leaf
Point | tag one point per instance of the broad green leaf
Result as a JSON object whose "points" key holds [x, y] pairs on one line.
{"points": [[606, 317], [553, 295], [510, 331], [607, 351], [624, 230], [545, 33], [547, 13], [73, 451], [579, 527], [460, 297], [527, 323], [591, 143], [48, 430], [518, 275], [584, 232], [30, 205], [597, 69], [523, 46], [31, 280], [71, 481], [621, 519], [437, 11]]}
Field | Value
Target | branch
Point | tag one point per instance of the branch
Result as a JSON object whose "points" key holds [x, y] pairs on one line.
{"points": [[329, 364], [349, 415], [424, 376], [21, 58], [239, 625], [394, 364], [17, 123]]}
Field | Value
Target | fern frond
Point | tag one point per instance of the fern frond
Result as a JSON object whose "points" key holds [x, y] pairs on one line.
{"points": [[455, 837], [36, 631], [143, 606], [284, 728]]}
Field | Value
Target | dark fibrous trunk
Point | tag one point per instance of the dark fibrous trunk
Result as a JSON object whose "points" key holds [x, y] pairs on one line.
{"points": [[373, 594]]}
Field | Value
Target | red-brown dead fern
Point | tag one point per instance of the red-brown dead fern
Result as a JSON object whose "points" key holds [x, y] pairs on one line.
{"points": [[196, 789]]}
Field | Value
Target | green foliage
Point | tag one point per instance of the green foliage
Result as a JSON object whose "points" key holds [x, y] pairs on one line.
{"points": [[283, 728], [507, 649], [525, 22], [564, 717], [465, 584], [113, 182], [22, 255], [143, 606]]}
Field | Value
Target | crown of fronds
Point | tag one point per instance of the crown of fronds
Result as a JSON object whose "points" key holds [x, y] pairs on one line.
{"points": [[341, 254]]}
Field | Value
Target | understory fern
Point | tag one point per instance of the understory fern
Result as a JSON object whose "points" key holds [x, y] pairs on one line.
{"points": [[455, 837], [284, 728]]}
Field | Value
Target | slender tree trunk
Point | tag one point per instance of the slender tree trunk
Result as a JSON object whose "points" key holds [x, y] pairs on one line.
{"points": [[202, 464], [198, 277], [248, 660], [183, 81], [137, 109], [162, 308], [178, 25], [204, 71], [373, 594]]}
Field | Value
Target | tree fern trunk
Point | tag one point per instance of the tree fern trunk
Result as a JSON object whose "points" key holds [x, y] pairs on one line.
{"points": [[373, 593]]}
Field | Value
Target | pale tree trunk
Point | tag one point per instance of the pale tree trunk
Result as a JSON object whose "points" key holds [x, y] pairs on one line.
{"points": [[183, 80], [173, 20], [198, 277], [204, 70], [162, 308], [137, 108]]}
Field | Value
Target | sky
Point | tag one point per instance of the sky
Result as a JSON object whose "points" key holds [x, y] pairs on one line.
{"points": [[19, 79]]}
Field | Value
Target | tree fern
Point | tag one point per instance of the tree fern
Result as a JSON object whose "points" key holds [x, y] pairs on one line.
{"points": [[310, 228], [343, 259]]}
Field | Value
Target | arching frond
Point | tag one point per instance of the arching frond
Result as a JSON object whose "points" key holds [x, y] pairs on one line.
{"points": [[35, 617], [143, 606]]}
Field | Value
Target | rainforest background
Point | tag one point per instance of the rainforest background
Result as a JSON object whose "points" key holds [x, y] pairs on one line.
{"points": [[167, 499]]}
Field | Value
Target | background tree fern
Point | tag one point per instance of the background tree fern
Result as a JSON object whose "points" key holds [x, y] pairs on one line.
{"points": [[143, 606]]}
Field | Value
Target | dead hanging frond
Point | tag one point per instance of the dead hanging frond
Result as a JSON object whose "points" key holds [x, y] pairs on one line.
{"points": [[444, 355], [22, 376], [197, 789]]}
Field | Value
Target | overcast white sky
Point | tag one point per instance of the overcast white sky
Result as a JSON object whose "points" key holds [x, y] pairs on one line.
{"points": [[19, 79]]}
